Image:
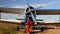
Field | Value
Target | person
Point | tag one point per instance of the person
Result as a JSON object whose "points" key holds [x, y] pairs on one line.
{"points": [[28, 25]]}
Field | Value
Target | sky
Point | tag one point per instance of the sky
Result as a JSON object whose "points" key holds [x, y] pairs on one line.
{"points": [[47, 4]]}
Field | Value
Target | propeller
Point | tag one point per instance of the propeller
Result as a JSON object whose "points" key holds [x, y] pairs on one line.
{"points": [[29, 8]]}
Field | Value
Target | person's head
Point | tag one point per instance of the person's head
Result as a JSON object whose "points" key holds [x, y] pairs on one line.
{"points": [[27, 18]]}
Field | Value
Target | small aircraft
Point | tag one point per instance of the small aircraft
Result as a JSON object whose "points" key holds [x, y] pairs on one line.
{"points": [[30, 18]]}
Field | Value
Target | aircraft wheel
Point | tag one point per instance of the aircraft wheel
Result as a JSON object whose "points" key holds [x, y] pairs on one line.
{"points": [[18, 28], [42, 29]]}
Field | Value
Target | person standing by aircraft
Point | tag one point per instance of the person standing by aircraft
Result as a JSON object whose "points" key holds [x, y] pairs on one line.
{"points": [[28, 25]]}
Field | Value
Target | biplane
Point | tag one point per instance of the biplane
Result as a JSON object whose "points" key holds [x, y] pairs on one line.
{"points": [[30, 17]]}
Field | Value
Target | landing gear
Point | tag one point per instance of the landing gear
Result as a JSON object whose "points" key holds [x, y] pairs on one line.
{"points": [[38, 28], [42, 29], [18, 28]]}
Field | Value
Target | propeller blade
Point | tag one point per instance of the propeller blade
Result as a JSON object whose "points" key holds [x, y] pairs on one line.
{"points": [[33, 18], [22, 14], [27, 3]]}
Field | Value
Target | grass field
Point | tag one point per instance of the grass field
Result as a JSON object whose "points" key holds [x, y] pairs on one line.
{"points": [[10, 28]]}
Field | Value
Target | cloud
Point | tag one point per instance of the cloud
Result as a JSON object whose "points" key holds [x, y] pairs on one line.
{"points": [[44, 5], [17, 4], [51, 3], [17, 7], [36, 5], [6, 3]]}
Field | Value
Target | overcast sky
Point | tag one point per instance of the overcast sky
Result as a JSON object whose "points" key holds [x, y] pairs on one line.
{"points": [[48, 4]]}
